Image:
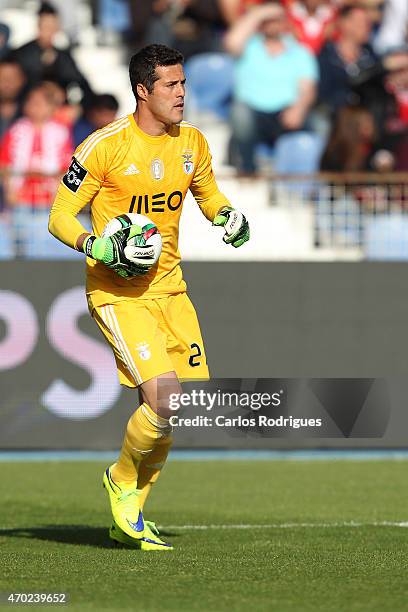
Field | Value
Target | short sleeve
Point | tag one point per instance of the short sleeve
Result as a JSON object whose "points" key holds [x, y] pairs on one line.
{"points": [[308, 65]]}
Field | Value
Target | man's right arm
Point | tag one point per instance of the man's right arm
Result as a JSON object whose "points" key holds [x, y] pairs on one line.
{"points": [[78, 187], [236, 38], [80, 184], [63, 222]]}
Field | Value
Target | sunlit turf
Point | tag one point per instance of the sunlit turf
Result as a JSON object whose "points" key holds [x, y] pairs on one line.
{"points": [[54, 520]]}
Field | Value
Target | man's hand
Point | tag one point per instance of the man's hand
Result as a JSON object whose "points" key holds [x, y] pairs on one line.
{"points": [[263, 12], [115, 253], [235, 225], [396, 61], [293, 117], [244, 27]]}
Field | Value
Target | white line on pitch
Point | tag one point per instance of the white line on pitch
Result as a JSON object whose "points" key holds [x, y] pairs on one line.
{"points": [[289, 525]]}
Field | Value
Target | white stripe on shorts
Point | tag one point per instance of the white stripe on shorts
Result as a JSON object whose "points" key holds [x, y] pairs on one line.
{"points": [[110, 320]]}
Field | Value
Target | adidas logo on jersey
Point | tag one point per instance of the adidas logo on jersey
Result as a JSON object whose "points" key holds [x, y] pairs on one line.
{"points": [[131, 170]]}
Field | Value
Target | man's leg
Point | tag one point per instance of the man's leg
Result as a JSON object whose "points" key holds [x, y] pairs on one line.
{"points": [[132, 329], [151, 466], [270, 126], [146, 351], [244, 136], [145, 448], [147, 438]]}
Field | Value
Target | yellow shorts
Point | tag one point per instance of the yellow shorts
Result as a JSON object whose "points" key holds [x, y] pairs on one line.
{"points": [[152, 337]]}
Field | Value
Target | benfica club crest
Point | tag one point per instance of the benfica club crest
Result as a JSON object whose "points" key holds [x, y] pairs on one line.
{"points": [[188, 164], [144, 351]]}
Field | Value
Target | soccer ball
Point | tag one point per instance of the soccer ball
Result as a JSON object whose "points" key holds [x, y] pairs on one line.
{"points": [[142, 251]]}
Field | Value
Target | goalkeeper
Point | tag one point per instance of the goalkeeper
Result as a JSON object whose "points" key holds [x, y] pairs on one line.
{"points": [[143, 163]]}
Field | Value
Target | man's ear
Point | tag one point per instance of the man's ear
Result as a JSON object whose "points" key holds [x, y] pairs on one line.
{"points": [[142, 91]]}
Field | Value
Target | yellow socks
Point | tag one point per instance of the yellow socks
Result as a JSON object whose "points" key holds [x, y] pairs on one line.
{"points": [[144, 429], [150, 467]]}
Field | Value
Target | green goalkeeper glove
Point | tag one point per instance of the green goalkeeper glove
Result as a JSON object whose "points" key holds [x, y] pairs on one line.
{"points": [[115, 252], [235, 225]]}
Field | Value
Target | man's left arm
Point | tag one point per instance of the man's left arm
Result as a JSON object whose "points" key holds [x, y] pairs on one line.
{"points": [[213, 204], [294, 116]]}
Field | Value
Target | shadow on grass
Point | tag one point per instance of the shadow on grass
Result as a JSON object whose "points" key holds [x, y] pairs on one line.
{"points": [[83, 535]]}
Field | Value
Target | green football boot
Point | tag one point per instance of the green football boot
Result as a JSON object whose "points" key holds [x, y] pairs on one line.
{"points": [[124, 501], [149, 541]]}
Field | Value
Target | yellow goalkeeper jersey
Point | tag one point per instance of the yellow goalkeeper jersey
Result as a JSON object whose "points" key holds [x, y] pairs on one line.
{"points": [[121, 169]]}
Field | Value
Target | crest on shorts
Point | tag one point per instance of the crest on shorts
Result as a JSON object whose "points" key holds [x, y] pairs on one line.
{"points": [[144, 350], [157, 169], [188, 164]]}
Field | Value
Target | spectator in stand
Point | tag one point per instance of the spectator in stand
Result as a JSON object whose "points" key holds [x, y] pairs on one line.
{"points": [[312, 21], [101, 112], [65, 113], [351, 141], [142, 15], [351, 148], [353, 145], [192, 26], [275, 81], [41, 60], [200, 27], [12, 82], [349, 61], [35, 151], [350, 71], [70, 15]]}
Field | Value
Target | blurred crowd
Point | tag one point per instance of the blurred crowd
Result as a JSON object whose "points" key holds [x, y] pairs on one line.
{"points": [[335, 69]]}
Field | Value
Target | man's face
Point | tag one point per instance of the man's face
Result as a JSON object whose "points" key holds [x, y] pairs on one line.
{"points": [[356, 26], [166, 102], [48, 26], [11, 81], [38, 107], [276, 25], [101, 117]]}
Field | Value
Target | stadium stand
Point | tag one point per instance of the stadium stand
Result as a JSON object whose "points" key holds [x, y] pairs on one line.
{"points": [[306, 218]]}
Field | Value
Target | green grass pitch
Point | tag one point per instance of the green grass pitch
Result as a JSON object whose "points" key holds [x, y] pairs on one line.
{"points": [[323, 549]]}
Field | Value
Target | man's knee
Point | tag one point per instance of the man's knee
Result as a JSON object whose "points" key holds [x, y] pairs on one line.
{"points": [[159, 394]]}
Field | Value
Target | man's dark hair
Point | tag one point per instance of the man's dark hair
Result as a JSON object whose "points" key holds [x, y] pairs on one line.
{"points": [[104, 101], [42, 88], [142, 67], [46, 8], [10, 59], [347, 9]]}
